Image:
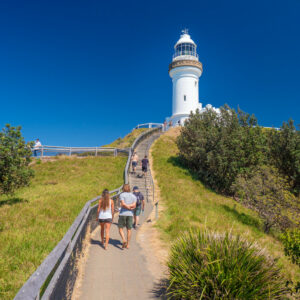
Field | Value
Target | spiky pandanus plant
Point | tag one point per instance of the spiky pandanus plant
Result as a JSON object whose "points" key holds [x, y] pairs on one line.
{"points": [[209, 265]]}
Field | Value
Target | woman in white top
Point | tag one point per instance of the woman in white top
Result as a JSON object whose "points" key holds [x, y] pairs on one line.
{"points": [[105, 215]]}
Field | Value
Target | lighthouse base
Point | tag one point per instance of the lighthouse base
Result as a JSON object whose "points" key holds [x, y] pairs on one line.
{"points": [[178, 120]]}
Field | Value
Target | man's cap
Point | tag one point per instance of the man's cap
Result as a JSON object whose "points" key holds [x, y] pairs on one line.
{"points": [[135, 188]]}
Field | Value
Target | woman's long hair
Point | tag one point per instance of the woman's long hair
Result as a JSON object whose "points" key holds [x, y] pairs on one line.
{"points": [[105, 199]]}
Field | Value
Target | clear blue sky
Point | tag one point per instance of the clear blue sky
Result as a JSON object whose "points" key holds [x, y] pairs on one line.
{"points": [[86, 72]]}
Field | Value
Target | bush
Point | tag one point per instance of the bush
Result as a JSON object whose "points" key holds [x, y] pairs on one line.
{"points": [[205, 265], [267, 192], [15, 156], [218, 147], [284, 152], [291, 242]]}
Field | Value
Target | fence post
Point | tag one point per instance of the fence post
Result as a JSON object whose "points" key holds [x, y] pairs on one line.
{"points": [[42, 151], [70, 151], [156, 210], [96, 152]]}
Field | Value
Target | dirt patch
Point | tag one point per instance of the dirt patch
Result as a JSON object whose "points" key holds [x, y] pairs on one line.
{"points": [[173, 132]]}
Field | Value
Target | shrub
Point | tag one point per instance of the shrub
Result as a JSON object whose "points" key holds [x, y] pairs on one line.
{"points": [[291, 242], [205, 265], [267, 192], [15, 156], [284, 152], [218, 147]]}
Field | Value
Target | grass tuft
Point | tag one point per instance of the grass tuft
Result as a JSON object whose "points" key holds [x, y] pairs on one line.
{"points": [[208, 265]]}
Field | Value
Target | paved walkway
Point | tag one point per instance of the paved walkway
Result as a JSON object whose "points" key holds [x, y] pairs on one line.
{"points": [[120, 274]]}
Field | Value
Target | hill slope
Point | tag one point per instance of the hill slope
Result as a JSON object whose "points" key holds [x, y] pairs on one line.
{"points": [[188, 203], [37, 217]]}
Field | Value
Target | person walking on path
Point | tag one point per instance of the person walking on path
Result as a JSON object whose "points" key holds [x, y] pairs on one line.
{"points": [[140, 206], [134, 161], [37, 147], [128, 204], [170, 124], [145, 163], [165, 126], [105, 213]]}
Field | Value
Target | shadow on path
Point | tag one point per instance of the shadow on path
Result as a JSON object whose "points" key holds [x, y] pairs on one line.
{"points": [[159, 290], [116, 243]]}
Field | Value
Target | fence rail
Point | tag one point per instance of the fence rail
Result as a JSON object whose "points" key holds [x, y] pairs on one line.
{"points": [[55, 277], [58, 150], [149, 125]]}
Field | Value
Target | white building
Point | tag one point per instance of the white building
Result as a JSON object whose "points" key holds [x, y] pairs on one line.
{"points": [[185, 71]]}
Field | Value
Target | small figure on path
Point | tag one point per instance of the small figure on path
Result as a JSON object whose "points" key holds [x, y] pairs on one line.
{"points": [[145, 163], [140, 206], [170, 124], [165, 126], [179, 123], [134, 161], [37, 147], [105, 215], [128, 204]]}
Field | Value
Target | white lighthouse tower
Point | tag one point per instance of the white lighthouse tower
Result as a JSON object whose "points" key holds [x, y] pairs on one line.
{"points": [[185, 71]]}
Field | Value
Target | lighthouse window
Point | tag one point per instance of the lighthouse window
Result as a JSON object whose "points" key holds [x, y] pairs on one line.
{"points": [[184, 97], [195, 83], [185, 49]]}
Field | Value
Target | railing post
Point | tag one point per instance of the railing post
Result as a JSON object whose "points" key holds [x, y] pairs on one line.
{"points": [[42, 152], [96, 152], [70, 151], [156, 210]]}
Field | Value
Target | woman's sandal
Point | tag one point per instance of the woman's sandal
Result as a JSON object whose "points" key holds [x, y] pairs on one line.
{"points": [[124, 245]]}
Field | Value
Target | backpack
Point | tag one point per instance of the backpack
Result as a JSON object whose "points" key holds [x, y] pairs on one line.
{"points": [[139, 198]]}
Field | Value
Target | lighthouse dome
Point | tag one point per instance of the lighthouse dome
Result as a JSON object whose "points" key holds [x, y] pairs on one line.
{"points": [[185, 48]]}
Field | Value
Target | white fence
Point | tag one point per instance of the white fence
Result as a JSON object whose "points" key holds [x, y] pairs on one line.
{"points": [[59, 150]]}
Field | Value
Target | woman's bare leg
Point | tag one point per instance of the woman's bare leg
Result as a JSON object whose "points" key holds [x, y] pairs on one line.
{"points": [[107, 228], [102, 233]]}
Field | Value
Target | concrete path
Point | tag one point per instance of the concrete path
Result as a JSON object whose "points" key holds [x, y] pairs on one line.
{"points": [[116, 273]]}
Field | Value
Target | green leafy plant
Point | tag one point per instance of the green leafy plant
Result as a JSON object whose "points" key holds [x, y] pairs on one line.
{"points": [[284, 152], [218, 147], [291, 242], [209, 265], [15, 156], [267, 192]]}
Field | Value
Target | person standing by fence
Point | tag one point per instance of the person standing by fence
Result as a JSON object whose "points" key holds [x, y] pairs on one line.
{"points": [[128, 204], [105, 215], [37, 147]]}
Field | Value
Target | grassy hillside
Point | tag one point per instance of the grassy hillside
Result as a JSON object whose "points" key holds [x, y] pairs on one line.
{"points": [[188, 203], [37, 217], [128, 140]]}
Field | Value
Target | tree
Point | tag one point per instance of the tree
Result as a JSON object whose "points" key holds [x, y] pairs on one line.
{"points": [[15, 156]]}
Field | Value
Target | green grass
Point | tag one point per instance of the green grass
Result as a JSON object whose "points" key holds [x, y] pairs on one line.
{"points": [[37, 217], [128, 140], [189, 204]]}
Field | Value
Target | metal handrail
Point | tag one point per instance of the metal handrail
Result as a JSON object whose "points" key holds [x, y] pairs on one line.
{"points": [[149, 125], [59, 257]]}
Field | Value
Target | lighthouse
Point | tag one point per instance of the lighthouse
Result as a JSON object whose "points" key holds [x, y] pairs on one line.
{"points": [[185, 71]]}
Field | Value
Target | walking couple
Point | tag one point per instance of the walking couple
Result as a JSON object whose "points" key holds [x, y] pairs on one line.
{"points": [[131, 206]]}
